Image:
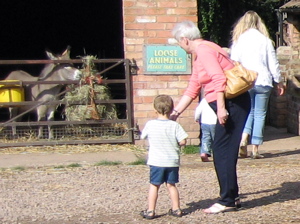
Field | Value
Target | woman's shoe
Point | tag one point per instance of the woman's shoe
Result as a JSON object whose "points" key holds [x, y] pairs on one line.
{"points": [[238, 203], [148, 214], [243, 149], [256, 156], [218, 208]]}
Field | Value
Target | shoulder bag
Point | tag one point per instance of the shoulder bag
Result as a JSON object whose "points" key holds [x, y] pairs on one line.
{"points": [[238, 79]]}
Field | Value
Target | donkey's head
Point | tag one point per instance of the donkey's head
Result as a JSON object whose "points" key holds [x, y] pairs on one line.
{"points": [[60, 71]]}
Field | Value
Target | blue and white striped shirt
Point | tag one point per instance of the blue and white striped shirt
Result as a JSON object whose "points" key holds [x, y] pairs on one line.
{"points": [[163, 137]]}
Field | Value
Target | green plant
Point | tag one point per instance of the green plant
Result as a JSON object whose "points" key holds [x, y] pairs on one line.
{"points": [[190, 149], [59, 167], [108, 163], [140, 161], [217, 17], [74, 165], [18, 168]]}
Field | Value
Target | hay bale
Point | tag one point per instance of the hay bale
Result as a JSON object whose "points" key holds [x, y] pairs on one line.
{"points": [[87, 94], [86, 110]]}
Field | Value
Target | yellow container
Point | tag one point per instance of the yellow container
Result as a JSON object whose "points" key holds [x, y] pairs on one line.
{"points": [[12, 92]]}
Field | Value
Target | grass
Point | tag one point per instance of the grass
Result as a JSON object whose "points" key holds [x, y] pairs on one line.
{"points": [[140, 161], [190, 149], [18, 168], [108, 163], [73, 165], [59, 167]]}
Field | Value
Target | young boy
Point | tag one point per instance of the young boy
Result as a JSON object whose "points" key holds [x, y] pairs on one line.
{"points": [[207, 119], [165, 138]]}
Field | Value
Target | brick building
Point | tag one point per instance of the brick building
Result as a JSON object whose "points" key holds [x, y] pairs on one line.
{"points": [[151, 22], [288, 107]]}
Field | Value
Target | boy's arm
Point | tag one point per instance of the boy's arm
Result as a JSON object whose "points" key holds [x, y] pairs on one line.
{"points": [[144, 133], [183, 142]]}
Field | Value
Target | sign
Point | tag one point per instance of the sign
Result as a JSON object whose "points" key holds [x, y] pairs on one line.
{"points": [[166, 59]]}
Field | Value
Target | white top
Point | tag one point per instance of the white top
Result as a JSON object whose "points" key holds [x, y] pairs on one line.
{"points": [[163, 137], [255, 51], [205, 112]]}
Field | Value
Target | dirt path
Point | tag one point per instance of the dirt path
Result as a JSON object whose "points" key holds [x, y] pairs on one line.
{"points": [[269, 187]]}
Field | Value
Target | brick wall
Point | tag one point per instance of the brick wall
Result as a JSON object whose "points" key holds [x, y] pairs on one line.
{"points": [[289, 59], [151, 22]]}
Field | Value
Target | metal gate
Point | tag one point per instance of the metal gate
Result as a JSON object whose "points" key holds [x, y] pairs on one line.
{"points": [[120, 129]]}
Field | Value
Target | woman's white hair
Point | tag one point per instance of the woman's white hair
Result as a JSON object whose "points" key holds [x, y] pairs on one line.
{"points": [[186, 29]]}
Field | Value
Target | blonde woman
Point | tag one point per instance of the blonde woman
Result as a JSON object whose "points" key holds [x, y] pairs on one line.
{"points": [[253, 47]]}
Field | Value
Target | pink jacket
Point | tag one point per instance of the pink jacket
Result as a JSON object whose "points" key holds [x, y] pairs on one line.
{"points": [[208, 72]]}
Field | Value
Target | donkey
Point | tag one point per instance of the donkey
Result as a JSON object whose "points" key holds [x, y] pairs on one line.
{"points": [[44, 92]]}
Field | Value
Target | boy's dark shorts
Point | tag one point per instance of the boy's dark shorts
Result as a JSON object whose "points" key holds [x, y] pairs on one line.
{"points": [[160, 175]]}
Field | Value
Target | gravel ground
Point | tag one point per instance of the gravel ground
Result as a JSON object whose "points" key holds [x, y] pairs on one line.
{"points": [[116, 194], [269, 187]]}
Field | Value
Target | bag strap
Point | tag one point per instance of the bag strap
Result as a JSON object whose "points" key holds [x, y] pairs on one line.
{"points": [[213, 47]]}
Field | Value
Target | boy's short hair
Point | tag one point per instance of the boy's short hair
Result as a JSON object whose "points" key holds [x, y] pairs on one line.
{"points": [[163, 104]]}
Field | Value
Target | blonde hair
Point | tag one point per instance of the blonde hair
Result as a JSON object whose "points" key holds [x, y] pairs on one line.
{"points": [[249, 20]]}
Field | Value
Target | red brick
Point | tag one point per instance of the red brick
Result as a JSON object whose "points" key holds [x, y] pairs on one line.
{"points": [[163, 33], [140, 114], [149, 33], [177, 11], [167, 4], [156, 41], [127, 4], [170, 92], [155, 11], [145, 4], [145, 78], [146, 92], [134, 26], [134, 11], [156, 85], [155, 26], [148, 99], [139, 85], [187, 4], [177, 85], [137, 100], [192, 18], [167, 19], [144, 106], [169, 78], [134, 33], [184, 77], [129, 19], [192, 12]]}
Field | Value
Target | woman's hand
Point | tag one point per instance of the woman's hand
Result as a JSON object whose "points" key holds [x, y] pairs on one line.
{"points": [[222, 116], [280, 89], [222, 113], [174, 115]]}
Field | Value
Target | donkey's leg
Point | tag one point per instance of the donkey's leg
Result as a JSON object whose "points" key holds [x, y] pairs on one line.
{"points": [[41, 113], [13, 112], [50, 117]]}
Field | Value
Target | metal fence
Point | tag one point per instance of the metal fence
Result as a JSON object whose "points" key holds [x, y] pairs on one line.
{"points": [[116, 76]]}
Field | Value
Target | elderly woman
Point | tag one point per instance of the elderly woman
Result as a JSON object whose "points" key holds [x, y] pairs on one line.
{"points": [[208, 73]]}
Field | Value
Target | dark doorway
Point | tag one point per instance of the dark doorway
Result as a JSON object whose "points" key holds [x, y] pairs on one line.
{"points": [[28, 28]]}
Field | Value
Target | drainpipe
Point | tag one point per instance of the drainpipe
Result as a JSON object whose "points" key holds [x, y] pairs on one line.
{"points": [[280, 27]]}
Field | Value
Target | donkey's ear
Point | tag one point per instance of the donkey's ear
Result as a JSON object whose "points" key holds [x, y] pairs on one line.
{"points": [[66, 53], [50, 55]]}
